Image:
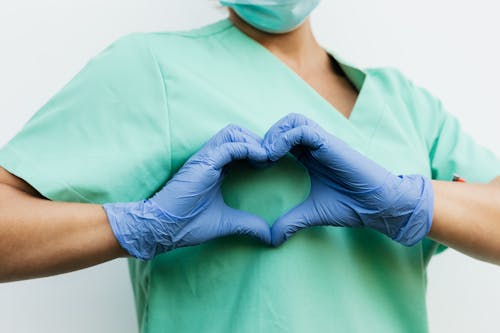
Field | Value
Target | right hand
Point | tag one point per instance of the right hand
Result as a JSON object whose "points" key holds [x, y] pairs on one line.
{"points": [[190, 209], [347, 188]]}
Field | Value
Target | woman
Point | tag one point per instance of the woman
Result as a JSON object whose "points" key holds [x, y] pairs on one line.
{"points": [[155, 107]]}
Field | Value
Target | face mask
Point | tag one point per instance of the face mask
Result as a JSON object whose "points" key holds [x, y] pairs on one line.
{"points": [[274, 16]]}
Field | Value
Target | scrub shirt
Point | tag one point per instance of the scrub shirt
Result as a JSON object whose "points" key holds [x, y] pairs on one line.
{"points": [[135, 113]]}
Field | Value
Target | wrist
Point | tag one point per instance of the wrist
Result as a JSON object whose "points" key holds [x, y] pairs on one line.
{"points": [[129, 224], [420, 191]]}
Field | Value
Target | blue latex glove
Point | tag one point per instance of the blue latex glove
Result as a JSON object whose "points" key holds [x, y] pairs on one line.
{"points": [[190, 210], [347, 188]]}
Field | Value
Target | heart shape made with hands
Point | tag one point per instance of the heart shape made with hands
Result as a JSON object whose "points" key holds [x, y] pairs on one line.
{"points": [[270, 191], [336, 186], [267, 192], [273, 190]]}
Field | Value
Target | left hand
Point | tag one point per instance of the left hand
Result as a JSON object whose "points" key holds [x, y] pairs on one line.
{"points": [[347, 188], [189, 209]]}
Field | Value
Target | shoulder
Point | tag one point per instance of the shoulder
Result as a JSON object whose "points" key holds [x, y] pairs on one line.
{"points": [[182, 38], [121, 55], [423, 110], [395, 82], [136, 42], [137, 45], [169, 46]]}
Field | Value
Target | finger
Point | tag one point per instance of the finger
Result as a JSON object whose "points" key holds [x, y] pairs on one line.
{"points": [[287, 123], [249, 135], [241, 134], [332, 157], [310, 137], [300, 217], [290, 121], [232, 151], [237, 222], [234, 133]]}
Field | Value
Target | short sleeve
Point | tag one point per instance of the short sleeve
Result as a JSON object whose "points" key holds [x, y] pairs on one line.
{"points": [[454, 151], [451, 149], [104, 136]]}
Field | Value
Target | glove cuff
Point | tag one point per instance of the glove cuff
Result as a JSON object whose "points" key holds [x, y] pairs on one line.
{"points": [[420, 221], [131, 225]]}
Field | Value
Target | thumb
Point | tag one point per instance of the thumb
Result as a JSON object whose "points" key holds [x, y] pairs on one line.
{"points": [[238, 222], [300, 217]]}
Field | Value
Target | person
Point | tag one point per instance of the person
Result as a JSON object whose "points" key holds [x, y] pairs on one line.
{"points": [[136, 157]]}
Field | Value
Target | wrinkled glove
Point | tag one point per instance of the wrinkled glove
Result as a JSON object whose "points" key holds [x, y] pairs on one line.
{"points": [[347, 188], [190, 209]]}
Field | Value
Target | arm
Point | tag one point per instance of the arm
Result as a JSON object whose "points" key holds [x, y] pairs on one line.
{"points": [[467, 218], [40, 237]]}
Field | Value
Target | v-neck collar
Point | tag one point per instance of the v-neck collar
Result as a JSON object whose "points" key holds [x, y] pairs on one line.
{"points": [[368, 108]]}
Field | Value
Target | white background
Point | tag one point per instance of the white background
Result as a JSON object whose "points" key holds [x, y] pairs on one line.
{"points": [[450, 47]]}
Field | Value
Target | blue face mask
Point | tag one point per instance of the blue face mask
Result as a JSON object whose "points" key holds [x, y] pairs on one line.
{"points": [[274, 16]]}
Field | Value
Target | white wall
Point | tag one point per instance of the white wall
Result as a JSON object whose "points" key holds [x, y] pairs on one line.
{"points": [[450, 47]]}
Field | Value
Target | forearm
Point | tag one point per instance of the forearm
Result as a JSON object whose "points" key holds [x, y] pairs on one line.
{"points": [[467, 218], [40, 237]]}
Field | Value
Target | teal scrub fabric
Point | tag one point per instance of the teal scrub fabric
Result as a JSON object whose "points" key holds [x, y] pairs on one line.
{"points": [[135, 113]]}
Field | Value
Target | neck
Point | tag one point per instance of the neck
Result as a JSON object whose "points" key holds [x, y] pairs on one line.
{"points": [[299, 48]]}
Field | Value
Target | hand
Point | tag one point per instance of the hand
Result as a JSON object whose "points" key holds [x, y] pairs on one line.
{"points": [[190, 209], [348, 189]]}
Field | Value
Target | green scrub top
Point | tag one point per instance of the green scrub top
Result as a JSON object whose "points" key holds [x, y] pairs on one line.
{"points": [[135, 113]]}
